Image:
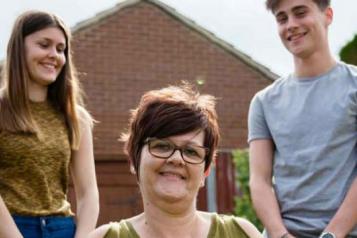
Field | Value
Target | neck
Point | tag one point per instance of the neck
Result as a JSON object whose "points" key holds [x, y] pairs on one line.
{"points": [[314, 65], [37, 93], [157, 222]]}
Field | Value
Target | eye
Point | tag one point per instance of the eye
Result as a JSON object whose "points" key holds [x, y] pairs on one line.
{"points": [[281, 19], [60, 49], [191, 151], [160, 145], [300, 13], [43, 44]]}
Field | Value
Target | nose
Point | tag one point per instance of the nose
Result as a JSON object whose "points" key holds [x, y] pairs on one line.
{"points": [[176, 157], [292, 24], [53, 53]]}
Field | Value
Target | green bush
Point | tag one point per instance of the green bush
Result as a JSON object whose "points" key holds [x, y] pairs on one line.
{"points": [[243, 203], [348, 53]]}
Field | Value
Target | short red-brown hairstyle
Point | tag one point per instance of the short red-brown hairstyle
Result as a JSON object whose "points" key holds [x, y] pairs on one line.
{"points": [[171, 111]]}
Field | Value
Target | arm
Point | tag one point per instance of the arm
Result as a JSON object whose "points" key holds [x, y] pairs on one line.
{"points": [[7, 225], [249, 228], [345, 218], [85, 185], [264, 199]]}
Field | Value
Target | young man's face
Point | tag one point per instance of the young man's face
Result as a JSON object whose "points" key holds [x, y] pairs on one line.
{"points": [[302, 26]]}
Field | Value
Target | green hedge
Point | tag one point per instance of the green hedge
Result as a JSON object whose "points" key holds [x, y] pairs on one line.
{"points": [[348, 53], [243, 203]]}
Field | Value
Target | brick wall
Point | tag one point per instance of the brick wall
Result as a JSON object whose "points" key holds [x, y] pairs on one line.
{"points": [[141, 48]]}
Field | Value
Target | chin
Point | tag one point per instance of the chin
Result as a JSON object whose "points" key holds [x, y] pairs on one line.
{"points": [[172, 195], [46, 82], [301, 54]]}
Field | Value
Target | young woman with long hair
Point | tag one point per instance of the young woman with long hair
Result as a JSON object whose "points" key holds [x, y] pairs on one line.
{"points": [[45, 133]]}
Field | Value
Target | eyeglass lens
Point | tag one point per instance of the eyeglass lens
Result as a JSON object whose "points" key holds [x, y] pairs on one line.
{"points": [[164, 149]]}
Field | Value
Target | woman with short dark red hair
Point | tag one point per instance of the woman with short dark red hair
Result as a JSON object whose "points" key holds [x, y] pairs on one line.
{"points": [[172, 140]]}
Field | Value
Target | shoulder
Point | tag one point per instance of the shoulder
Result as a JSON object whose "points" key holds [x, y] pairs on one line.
{"points": [[101, 231], [122, 229], [111, 230], [237, 223], [344, 68], [273, 89], [248, 227], [84, 116], [350, 67], [346, 75]]}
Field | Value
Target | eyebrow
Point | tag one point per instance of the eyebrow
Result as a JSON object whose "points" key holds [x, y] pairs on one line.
{"points": [[188, 142], [51, 40], [297, 8], [294, 9]]}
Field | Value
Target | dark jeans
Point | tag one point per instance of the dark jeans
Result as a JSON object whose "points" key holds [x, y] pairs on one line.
{"points": [[45, 227]]}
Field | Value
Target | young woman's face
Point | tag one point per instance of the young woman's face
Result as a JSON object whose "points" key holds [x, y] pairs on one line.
{"points": [[172, 179], [45, 55]]}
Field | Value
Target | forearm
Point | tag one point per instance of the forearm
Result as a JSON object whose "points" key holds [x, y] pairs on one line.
{"points": [[7, 225], [267, 209], [345, 218], [261, 157], [87, 214]]}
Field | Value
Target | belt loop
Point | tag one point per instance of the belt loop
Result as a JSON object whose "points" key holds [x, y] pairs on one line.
{"points": [[43, 222]]}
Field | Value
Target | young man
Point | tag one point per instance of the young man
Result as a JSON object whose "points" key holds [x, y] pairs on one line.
{"points": [[303, 133]]}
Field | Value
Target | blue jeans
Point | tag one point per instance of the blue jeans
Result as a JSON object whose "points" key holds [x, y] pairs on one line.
{"points": [[45, 227]]}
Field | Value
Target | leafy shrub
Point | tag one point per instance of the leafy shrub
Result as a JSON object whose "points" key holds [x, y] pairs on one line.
{"points": [[348, 53], [243, 202]]}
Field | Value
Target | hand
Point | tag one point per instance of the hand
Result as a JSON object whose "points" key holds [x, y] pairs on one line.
{"points": [[287, 235]]}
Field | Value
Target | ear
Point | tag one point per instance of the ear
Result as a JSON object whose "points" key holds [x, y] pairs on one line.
{"points": [[208, 171], [205, 175], [328, 15], [213, 163], [132, 169]]}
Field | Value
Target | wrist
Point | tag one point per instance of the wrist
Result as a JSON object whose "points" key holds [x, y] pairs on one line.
{"points": [[284, 235], [327, 234]]}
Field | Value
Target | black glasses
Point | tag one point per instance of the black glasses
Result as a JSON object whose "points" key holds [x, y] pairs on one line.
{"points": [[164, 149]]}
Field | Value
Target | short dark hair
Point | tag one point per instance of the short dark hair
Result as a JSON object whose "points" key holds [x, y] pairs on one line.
{"points": [[170, 111], [272, 4]]}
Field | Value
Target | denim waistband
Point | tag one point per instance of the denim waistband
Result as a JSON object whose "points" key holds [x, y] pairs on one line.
{"points": [[43, 220]]}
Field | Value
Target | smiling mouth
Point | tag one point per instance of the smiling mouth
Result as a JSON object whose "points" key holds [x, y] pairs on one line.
{"points": [[49, 66], [173, 175], [296, 36]]}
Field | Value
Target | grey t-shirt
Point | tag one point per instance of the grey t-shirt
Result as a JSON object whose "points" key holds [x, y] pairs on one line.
{"points": [[313, 124]]}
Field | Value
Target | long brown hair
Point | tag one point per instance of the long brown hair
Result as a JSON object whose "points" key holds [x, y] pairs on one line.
{"points": [[64, 94]]}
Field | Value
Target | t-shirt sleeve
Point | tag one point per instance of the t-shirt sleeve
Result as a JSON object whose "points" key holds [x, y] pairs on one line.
{"points": [[257, 124]]}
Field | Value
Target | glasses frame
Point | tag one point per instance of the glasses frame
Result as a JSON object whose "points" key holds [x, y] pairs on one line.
{"points": [[179, 148]]}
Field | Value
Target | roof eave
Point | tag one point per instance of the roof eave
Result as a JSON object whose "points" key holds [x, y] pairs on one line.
{"points": [[264, 71]]}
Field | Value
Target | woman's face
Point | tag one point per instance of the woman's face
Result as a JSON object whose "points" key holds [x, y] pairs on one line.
{"points": [[45, 55], [172, 179]]}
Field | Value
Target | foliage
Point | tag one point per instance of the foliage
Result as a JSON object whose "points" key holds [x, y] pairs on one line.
{"points": [[244, 206], [348, 53]]}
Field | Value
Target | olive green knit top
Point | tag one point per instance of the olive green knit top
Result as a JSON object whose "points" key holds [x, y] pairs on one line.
{"points": [[221, 226], [34, 168]]}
